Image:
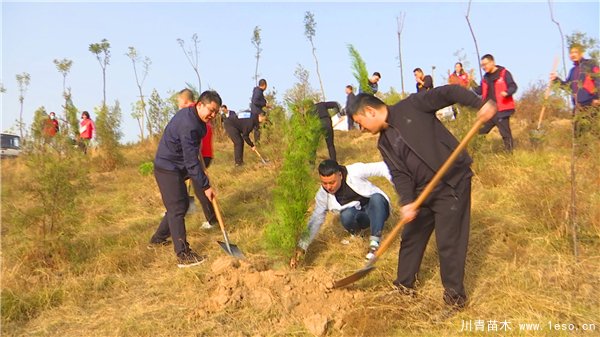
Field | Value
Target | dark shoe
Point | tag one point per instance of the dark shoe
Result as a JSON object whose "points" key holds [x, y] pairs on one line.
{"points": [[447, 312], [453, 299], [155, 243], [406, 291], [189, 259]]}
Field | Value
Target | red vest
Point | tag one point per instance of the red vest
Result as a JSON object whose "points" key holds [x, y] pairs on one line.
{"points": [[504, 103], [206, 148]]}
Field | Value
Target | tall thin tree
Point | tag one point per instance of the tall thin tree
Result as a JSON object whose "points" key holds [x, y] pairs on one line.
{"points": [[102, 52], [256, 42], [310, 26], [192, 56], [23, 81], [562, 36], [474, 39], [400, 22], [64, 67], [146, 62]]}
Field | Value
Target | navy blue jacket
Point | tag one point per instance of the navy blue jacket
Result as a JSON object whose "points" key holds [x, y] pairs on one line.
{"points": [[584, 80], [179, 146], [258, 101]]}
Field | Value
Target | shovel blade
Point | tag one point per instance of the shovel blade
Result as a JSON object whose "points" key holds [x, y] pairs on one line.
{"points": [[232, 250], [354, 277]]}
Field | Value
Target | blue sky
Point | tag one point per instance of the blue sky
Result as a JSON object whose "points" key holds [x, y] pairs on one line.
{"points": [[519, 34]]}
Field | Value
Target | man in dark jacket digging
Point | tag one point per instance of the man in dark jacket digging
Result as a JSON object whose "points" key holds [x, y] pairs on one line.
{"points": [[238, 128], [177, 160], [414, 145]]}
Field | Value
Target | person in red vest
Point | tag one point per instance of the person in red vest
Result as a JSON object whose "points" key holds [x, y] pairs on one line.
{"points": [[498, 85], [584, 83], [185, 98], [459, 76], [86, 131], [51, 126]]}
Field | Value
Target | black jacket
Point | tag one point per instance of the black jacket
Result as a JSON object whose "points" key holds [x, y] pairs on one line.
{"points": [[412, 122], [322, 108], [242, 125], [258, 101], [427, 84], [180, 144], [349, 101]]}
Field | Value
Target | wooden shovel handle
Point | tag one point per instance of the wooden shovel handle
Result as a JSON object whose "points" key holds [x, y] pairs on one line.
{"points": [[547, 94], [486, 112], [220, 219]]}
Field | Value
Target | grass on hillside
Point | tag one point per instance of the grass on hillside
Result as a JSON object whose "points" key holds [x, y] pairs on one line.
{"points": [[101, 280]]}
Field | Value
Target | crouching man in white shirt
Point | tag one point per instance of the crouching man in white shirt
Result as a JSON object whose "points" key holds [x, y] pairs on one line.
{"points": [[346, 190]]}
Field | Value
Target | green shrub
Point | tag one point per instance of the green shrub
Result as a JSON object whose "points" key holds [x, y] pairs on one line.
{"points": [[146, 168], [108, 134], [294, 190], [55, 180]]}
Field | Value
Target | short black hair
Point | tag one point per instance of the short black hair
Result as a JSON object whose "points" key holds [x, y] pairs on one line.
{"points": [[262, 82], [361, 101], [418, 69], [329, 167], [210, 96], [350, 87], [487, 56], [224, 106], [377, 74]]}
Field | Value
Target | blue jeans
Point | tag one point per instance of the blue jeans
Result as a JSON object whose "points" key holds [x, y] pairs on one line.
{"points": [[373, 214]]}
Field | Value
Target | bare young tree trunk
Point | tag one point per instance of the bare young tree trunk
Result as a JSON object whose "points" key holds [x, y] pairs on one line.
{"points": [[103, 87], [21, 118], [573, 212], [562, 37], [474, 39], [314, 52], [400, 21]]}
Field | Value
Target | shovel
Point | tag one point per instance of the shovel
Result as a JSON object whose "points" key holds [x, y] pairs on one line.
{"points": [[485, 113], [230, 248], [537, 135], [261, 157]]}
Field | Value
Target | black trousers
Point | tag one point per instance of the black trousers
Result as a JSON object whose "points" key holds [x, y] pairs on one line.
{"points": [[350, 122], [175, 198], [447, 211], [207, 207], [503, 125], [328, 129], [238, 143]]}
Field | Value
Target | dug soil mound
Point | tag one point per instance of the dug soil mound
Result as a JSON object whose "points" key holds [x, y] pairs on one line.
{"points": [[306, 297]]}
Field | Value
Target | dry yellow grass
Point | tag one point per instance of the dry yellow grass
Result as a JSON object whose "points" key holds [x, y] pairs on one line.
{"points": [[103, 281]]}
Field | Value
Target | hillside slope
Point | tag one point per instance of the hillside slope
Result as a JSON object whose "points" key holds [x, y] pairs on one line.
{"points": [[102, 280]]}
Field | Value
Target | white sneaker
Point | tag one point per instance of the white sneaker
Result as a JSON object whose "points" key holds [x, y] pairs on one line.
{"points": [[374, 245], [206, 225]]}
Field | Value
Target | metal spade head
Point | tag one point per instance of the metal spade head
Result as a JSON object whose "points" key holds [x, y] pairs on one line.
{"points": [[232, 250], [354, 277]]}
